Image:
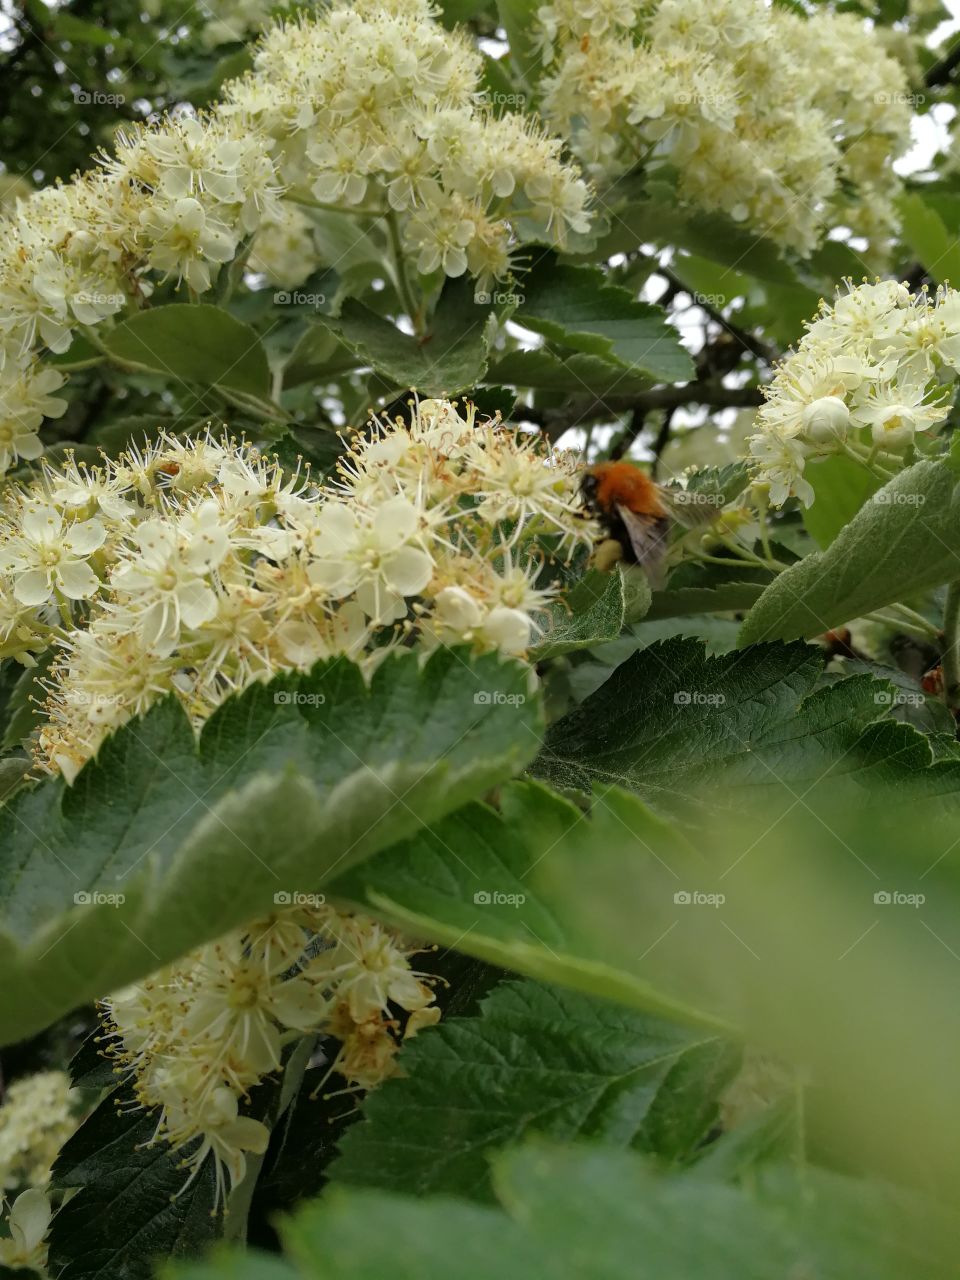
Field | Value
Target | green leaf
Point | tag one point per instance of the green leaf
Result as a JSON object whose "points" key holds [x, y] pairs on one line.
{"points": [[924, 231], [582, 1213], [723, 483], [448, 359], [496, 900], [841, 486], [593, 612], [67, 26], [519, 20], [196, 343], [538, 1060], [671, 720], [580, 374], [710, 235], [13, 775], [130, 1209], [723, 598], [227, 1264], [318, 357], [287, 782], [576, 307], [24, 707], [314, 445], [900, 543]]}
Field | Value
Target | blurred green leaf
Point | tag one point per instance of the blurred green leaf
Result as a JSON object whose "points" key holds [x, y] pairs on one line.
{"points": [[538, 1060]]}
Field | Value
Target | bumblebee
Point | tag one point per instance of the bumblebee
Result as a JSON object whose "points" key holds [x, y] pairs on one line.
{"points": [[634, 512]]}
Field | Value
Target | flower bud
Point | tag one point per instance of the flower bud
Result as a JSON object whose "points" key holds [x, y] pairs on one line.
{"points": [[826, 420]]}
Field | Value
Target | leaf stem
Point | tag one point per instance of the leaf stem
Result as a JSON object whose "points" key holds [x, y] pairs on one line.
{"points": [[899, 623], [360, 210], [951, 647], [241, 1196], [403, 283], [768, 561]]}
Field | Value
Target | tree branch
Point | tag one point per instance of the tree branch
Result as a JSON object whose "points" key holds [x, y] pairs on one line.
{"points": [[706, 392], [942, 72]]}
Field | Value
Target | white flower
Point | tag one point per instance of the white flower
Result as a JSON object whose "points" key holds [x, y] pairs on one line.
{"points": [[194, 160], [895, 412], [375, 557], [29, 1221], [185, 240], [168, 578], [45, 557], [779, 462]]}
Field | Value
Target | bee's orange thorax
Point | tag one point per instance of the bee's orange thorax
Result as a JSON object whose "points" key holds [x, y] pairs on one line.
{"points": [[623, 484]]}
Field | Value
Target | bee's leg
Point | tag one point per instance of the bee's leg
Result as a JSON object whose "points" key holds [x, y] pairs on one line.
{"points": [[607, 554]]}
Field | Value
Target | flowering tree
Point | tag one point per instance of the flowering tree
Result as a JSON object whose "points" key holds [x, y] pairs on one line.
{"points": [[479, 640]]}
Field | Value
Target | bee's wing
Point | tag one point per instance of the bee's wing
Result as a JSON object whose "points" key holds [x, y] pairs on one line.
{"points": [[648, 537], [690, 508]]}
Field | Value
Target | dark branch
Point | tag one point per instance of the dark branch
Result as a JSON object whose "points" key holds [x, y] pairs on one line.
{"points": [[579, 411], [942, 72]]}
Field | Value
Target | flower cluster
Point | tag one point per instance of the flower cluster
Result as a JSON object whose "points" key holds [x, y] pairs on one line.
{"points": [[869, 373], [285, 251], [361, 106], [200, 566], [377, 107], [197, 1036], [36, 1118], [700, 85]]}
